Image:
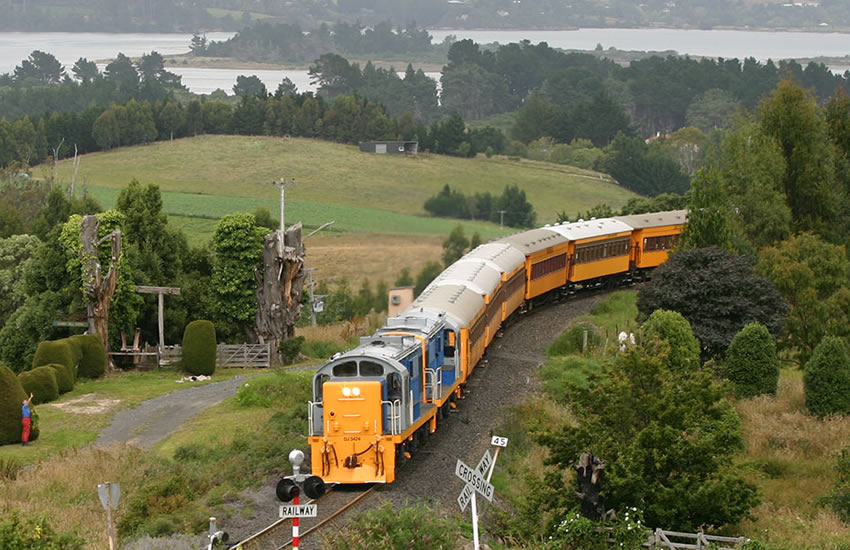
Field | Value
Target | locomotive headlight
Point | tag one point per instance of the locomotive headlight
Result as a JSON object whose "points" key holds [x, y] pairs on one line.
{"points": [[346, 391], [356, 392]]}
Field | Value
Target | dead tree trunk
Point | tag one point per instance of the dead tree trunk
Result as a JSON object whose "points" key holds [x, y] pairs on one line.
{"points": [[279, 286], [589, 480], [97, 287]]}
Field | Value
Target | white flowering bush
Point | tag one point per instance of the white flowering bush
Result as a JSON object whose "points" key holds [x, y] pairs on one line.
{"points": [[627, 531]]}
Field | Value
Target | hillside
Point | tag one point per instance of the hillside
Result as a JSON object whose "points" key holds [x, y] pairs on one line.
{"points": [[209, 176], [375, 201]]}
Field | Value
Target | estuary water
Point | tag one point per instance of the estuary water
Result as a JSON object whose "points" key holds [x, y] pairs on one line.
{"points": [[68, 47]]}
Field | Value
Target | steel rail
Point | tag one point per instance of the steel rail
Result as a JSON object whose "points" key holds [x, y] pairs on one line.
{"points": [[333, 516]]}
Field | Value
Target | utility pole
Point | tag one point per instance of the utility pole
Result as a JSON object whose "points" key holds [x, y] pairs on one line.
{"points": [[309, 271], [282, 183]]}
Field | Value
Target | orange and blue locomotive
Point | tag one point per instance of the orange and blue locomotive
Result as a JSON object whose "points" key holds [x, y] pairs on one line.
{"points": [[375, 405]]}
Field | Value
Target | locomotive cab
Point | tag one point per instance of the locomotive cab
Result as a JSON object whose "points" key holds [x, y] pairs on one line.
{"points": [[359, 404]]}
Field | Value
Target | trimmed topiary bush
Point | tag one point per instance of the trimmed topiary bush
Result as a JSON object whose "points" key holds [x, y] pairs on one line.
{"points": [[41, 382], [673, 328], [199, 348], [11, 396], [77, 351], [93, 362], [64, 379], [827, 379], [751, 362], [54, 352]]}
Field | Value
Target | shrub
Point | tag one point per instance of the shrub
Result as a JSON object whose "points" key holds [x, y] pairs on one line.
{"points": [[322, 349], [385, 528], [77, 351], [11, 396], [671, 327], [572, 340], [93, 361], [64, 379], [839, 497], [290, 349], [199, 348], [34, 535], [41, 382], [54, 352], [827, 379], [751, 362]]}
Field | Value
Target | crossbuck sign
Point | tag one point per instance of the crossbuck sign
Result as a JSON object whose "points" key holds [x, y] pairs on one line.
{"points": [[475, 480]]}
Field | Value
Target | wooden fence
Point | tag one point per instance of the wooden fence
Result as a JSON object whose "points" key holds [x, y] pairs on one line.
{"points": [[674, 540], [227, 355]]}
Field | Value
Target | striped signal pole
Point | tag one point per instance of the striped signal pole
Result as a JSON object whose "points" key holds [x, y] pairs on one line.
{"points": [[295, 525]]}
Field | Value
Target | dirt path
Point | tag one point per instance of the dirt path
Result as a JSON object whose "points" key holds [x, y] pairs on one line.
{"points": [[157, 418]]}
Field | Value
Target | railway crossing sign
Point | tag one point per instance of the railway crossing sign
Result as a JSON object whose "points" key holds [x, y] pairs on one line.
{"points": [[298, 510], [475, 480], [478, 481]]}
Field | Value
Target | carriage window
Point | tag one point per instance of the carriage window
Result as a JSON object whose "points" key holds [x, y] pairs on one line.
{"points": [[349, 368], [368, 368]]}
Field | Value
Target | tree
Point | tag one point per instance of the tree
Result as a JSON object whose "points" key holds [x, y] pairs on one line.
{"points": [[644, 170], [123, 75], [151, 66], [198, 45], [715, 108], [85, 71], [752, 168], [429, 273], [249, 86], [16, 255], [668, 439], [39, 68], [238, 246], [751, 362], [791, 116], [814, 277], [826, 381], [681, 348], [171, 118], [454, 246], [518, 211], [105, 131], [708, 213], [717, 292]]}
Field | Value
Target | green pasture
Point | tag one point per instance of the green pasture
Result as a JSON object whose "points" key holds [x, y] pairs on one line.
{"points": [[197, 215], [215, 175]]}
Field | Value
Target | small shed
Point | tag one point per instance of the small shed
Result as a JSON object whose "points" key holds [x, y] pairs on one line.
{"points": [[390, 147], [400, 298]]}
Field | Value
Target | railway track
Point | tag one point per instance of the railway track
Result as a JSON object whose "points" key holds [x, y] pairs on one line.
{"points": [[331, 506]]}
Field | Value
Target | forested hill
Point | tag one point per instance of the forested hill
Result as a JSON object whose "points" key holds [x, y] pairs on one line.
{"points": [[171, 15]]}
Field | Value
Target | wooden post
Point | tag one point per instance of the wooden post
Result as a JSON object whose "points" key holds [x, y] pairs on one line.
{"points": [[160, 291], [110, 530], [161, 319]]}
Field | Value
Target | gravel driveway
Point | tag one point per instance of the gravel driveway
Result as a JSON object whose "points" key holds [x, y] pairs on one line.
{"points": [[157, 418]]}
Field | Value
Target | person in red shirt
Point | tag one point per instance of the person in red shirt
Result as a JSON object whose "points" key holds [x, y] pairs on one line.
{"points": [[26, 420]]}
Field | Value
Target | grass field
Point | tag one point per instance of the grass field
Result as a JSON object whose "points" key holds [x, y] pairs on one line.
{"points": [[239, 167]]}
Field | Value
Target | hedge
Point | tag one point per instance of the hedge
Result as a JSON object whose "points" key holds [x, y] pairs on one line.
{"points": [[55, 352], [199, 352], [11, 396], [41, 382], [826, 381], [77, 350], [93, 361], [751, 362], [64, 378]]}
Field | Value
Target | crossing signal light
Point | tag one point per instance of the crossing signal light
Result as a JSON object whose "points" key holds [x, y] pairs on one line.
{"points": [[287, 490]]}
